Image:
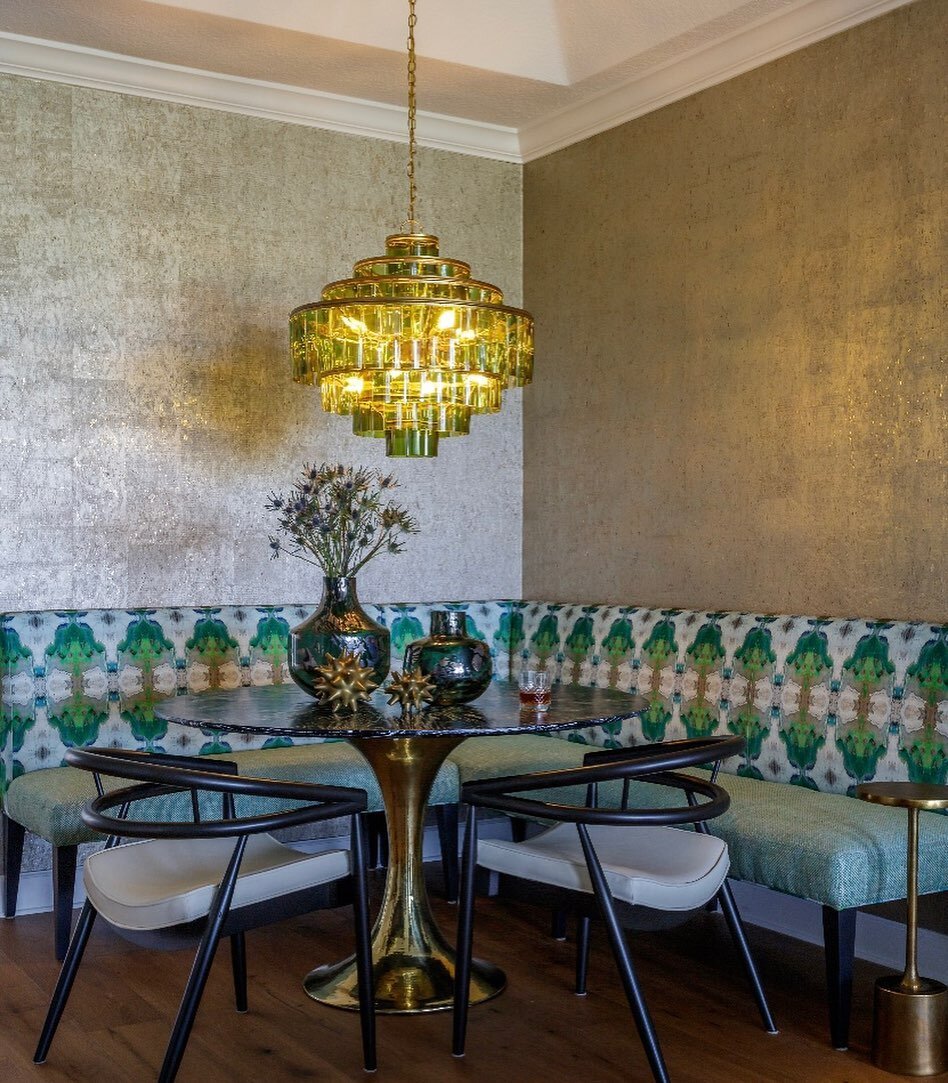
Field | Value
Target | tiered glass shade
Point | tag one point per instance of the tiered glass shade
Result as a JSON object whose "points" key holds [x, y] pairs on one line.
{"points": [[411, 346]]}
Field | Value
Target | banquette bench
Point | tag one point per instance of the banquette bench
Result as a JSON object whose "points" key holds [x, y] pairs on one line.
{"points": [[822, 705]]}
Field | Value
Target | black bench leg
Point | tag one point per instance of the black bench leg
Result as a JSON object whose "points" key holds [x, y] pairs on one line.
{"points": [[839, 940], [447, 816], [64, 883], [12, 861], [518, 829]]}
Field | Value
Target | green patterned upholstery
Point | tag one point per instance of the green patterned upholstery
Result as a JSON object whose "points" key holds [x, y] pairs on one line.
{"points": [[826, 703], [49, 802]]}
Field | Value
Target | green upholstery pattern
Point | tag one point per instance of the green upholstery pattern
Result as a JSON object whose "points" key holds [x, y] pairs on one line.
{"points": [[49, 802]]}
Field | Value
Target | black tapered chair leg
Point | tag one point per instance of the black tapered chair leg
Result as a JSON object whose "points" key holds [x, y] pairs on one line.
{"points": [[376, 830], [558, 925], [238, 959], [733, 918], [447, 817], [188, 1007], [64, 886], [66, 978], [360, 904], [376, 837], [620, 950], [518, 829], [201, 967], [13, 834], [583, 924], [462, 962], [839, 940]]}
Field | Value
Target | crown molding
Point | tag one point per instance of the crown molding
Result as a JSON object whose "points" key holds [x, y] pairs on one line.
{"points": [[766, 40], [746, 49], [58, 62]]}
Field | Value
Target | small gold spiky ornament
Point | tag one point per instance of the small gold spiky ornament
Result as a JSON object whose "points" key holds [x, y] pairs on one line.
{"points": [[411, 689], [343, 683]]}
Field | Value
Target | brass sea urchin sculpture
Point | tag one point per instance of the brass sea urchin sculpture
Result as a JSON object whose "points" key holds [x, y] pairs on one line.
{"points": [[343, 683], [412, 689]]}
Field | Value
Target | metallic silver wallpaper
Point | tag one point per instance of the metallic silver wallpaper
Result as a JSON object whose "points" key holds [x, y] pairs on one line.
{"points": [[740, 399], [150, 254]]}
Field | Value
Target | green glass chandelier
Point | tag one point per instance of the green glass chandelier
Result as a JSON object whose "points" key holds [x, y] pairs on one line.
{"points": [[411, 346]]}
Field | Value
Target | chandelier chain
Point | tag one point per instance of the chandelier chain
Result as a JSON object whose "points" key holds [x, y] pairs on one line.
{"points": [[412, 20]]}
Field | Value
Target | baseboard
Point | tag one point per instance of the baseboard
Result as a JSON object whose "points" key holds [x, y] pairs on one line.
{"points": [[878, 940]]}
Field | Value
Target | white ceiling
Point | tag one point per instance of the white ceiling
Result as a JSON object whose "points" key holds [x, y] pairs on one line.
{"points": [[509, 79]]}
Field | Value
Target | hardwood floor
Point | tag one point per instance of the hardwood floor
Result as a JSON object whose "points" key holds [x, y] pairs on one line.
{"points": [[117, 1022]]}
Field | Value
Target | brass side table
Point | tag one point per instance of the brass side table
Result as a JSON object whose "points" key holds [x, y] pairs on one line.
{"points": [[910, 1013]]}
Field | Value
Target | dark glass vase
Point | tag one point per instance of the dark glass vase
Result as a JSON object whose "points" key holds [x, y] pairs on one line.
{"points": [[338, 626], [457, 663]]}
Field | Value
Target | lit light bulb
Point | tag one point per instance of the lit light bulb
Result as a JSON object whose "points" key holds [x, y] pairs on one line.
{"points": [[429, 387], [354, 385], [447, 319], [355, 325], [478, 378]]}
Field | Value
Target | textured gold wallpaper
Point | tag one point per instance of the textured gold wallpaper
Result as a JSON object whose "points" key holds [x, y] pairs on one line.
{"points": [[740, 396], [150, 254]]}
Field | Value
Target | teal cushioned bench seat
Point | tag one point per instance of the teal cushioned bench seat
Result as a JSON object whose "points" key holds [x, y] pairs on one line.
{"points": [[49, 802], [833, 849], [495, 757]]}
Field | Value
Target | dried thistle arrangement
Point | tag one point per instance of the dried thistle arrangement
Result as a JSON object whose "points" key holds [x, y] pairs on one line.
{"points": [[337, 517]]}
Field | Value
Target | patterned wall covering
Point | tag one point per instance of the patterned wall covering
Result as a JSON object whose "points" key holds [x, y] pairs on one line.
{"points": [[823, 703]]}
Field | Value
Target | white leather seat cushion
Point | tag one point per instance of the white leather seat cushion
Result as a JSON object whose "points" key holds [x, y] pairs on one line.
{"points": [[164, 882], [665, 868]]}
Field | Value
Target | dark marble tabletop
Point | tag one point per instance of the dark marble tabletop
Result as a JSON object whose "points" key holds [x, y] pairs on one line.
{"points": [[284, 710]]}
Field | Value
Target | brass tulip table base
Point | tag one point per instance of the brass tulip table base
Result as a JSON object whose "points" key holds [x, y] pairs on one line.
{"points": [[910, 1013], [413, 963]]}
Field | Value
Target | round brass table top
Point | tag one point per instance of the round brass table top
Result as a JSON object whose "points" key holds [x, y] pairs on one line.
{"points": [[919, 795]]}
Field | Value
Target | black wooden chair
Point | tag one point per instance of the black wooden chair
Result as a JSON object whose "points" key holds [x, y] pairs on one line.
{"points": [[197, 879], [633, 867]]}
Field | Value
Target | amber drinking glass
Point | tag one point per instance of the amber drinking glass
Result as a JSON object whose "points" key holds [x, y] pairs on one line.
{"points": [[535, 690]]}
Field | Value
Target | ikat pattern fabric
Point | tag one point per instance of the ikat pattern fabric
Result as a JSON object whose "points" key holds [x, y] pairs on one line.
{"points": [[822, 703], [78, 678]]}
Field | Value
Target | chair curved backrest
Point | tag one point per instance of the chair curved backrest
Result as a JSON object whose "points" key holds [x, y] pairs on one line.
{"points": [[158, 776], [658, 764]]}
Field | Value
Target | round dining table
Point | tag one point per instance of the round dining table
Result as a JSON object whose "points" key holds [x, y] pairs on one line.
{"points": [[412, 960]]}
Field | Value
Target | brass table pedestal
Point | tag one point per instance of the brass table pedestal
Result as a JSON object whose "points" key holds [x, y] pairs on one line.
{"points": [[910, 1013], [413, 963]]}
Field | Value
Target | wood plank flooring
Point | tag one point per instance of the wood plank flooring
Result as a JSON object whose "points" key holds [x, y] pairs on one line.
{"points": [[117, 1022]]}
